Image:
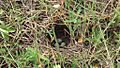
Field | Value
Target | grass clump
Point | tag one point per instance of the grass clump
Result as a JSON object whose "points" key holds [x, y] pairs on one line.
{"points": [[59, 34]]}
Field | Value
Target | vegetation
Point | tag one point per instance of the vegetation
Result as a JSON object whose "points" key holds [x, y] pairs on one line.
{"points": [[59, 33]]}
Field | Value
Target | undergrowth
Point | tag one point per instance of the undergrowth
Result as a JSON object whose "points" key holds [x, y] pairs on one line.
{"points": [[32, 34]]}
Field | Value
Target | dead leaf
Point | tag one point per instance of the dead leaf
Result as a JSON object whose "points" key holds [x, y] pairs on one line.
{"points": [[80, 40], [62, 2], [41, 66], [95, 66]]}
